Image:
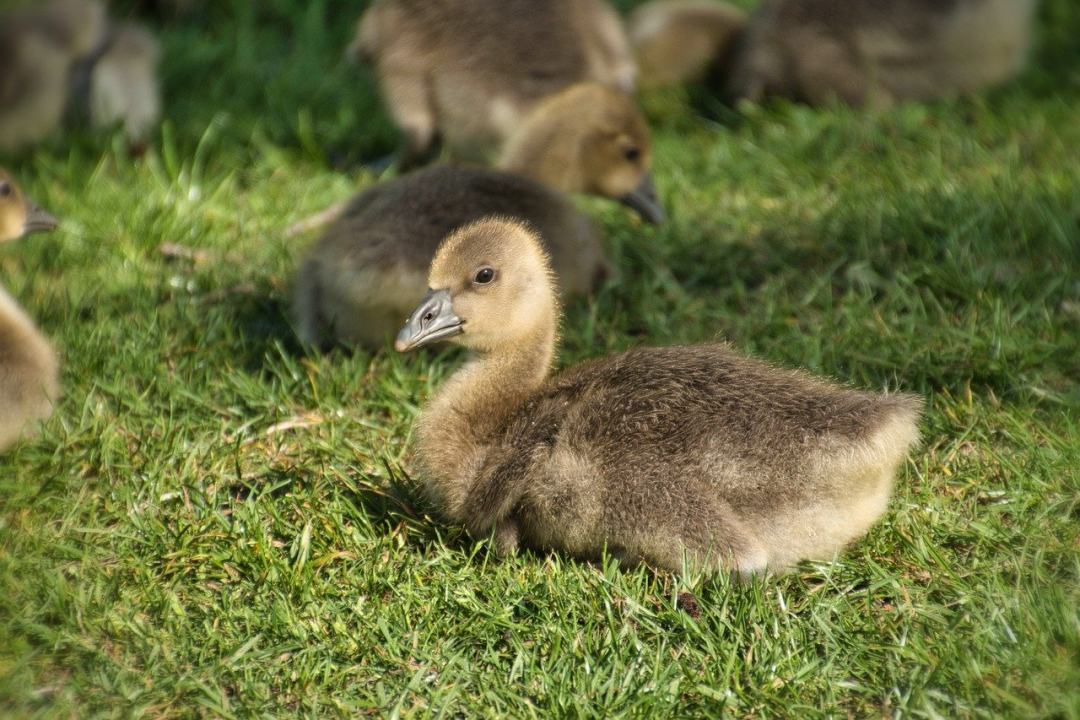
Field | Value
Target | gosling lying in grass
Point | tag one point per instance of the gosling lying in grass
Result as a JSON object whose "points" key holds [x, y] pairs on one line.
{"points": [[467, 72], [661, 455], [362, 277], [29, 382]]}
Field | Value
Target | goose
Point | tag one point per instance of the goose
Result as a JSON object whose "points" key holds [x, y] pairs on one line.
{"points": [[361, 277], [467, 72], [29, 383], [677, 457], [876, 54]]}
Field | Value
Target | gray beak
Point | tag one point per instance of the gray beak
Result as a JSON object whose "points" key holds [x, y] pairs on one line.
{"points": [[643, 199], [431, 321], [37, 220]]}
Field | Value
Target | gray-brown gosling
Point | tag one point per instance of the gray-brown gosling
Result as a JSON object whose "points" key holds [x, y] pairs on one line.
{"points": [[64, 54], [873, 53], [660, 455], [682, 41], [123, 82], [362, 277], [39, 46], [29, 383], [467, 72]]}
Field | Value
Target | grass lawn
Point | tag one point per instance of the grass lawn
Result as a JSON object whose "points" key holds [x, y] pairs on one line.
{"points": [[215, 524]]}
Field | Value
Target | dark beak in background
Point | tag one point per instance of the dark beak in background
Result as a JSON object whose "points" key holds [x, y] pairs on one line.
{"points": [[643, 199], [431, 321], [37, 220]]}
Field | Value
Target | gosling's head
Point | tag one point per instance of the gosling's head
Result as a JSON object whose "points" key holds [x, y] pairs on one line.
{"points": [[19, 216], [612, 151], [490, 286]]}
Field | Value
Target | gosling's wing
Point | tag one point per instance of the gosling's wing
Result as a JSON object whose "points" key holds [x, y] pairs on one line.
{"points": [[679, 398]]}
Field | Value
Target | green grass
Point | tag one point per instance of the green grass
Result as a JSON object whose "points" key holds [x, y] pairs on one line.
{"points": [[169, 549]]}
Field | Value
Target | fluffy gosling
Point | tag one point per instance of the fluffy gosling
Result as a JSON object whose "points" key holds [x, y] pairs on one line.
{"points": [[29, 370], [694, 455]]}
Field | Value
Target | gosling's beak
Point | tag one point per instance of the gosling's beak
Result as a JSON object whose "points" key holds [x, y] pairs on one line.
{"points": [[643, 199], [37, 220], [432, 320]]}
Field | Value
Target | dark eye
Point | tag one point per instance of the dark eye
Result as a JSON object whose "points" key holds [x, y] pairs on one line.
{"points": [[484, 276], [632, 154], [5, 189]]}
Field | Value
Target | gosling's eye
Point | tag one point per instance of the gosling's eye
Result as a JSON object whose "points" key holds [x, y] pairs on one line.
{"points": [[5, 190], [632, 154], [484, 276]]}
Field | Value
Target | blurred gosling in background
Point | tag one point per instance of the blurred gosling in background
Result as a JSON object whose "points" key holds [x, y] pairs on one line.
{"points": [[467, 72], [64, 57], [39, 47], [124, 86], [866, 53], [683, 41], [873, 53]]}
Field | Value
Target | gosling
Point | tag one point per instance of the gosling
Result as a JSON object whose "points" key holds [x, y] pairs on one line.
{"points": [[467, 72], [29, 383], [39, 47], [363, 276], [676, 457], [123, 82], [868, 53], [683, 41]]}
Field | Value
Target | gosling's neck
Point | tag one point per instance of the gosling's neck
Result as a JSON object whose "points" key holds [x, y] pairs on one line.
{"points": [[459, 424]]}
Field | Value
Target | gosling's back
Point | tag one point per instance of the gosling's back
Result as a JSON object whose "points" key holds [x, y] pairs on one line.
{"points": [[656, 451]]}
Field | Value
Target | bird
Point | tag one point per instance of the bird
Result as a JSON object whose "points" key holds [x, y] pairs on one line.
{"points": [[39, 46], [360, 278], [29, 369], [680, 458], [123, 84], [66, 58], [682, 41], [467, 72], [877, 53]]}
